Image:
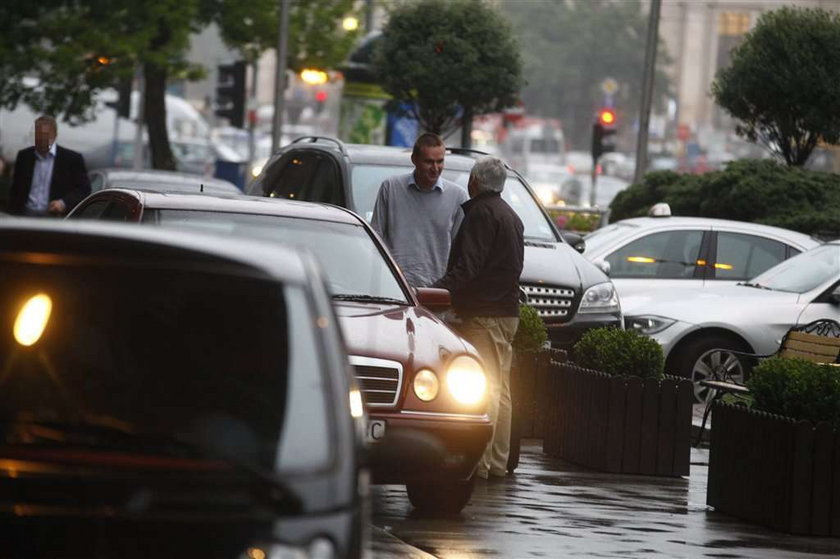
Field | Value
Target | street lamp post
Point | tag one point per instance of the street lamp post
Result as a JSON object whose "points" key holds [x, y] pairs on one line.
{"points": [[280, 76], [647, 91]]}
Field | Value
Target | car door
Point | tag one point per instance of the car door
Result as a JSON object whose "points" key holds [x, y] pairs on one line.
{"points": [[736, 256], [670, 258]]}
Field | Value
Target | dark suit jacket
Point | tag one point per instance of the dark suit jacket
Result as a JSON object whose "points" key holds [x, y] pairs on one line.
{"points": [[70, 181]]}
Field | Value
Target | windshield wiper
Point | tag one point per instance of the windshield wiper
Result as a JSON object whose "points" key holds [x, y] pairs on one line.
{"points": [[366, 298], [103, 432], [755, 285]]}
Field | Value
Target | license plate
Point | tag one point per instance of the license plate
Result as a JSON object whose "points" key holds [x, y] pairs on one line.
{"points": [[375, 430]]}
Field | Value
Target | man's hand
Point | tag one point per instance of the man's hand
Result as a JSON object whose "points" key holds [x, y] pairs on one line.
{"points": [[56, 207]]}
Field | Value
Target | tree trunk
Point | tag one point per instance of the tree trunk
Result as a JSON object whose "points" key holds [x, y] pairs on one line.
{"points": [[466, 128], [155, 108]]}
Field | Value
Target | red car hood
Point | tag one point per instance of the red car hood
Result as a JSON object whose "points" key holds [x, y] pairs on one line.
{"points": [[410, 335]]}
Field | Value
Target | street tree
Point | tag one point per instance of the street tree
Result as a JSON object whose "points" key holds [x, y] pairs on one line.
{"points": [[447, 61], [571, 47], [56, 55], [783, 85]]}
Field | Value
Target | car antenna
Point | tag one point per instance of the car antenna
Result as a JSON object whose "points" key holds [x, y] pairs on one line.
{"points": [[202, 187]]}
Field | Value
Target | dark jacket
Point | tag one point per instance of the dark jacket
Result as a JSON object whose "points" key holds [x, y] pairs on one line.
{"points": [[70, 181], [486, 259]]}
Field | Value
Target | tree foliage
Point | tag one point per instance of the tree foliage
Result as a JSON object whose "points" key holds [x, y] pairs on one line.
{"points": [[56, 55], [444, 56], [762, 191], [783, 84], [571, 47]]}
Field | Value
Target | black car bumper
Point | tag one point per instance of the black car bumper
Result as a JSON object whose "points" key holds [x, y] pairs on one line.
{"points": [[563, 335]]}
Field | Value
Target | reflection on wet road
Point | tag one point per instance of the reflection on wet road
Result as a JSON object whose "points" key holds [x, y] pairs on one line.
{"points": [[550, 508]]}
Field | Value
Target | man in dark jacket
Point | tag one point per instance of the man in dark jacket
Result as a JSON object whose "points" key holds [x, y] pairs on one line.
{"points": [[48, 179], [483, 277]]}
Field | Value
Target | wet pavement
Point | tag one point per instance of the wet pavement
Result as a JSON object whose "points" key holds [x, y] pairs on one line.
{"points": [[551, 508]]}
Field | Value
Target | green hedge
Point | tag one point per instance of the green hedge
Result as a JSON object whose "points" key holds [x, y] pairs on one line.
{"points": [[531, 334], [797, 388], [620, 352], [761, 191]]}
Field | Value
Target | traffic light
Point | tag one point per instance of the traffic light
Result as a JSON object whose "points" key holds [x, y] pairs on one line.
{"points": [[122, 104], [320, 101], [603, 132], [230, 93]]}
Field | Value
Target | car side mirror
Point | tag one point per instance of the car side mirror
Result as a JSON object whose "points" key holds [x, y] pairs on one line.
{"points": [[575, 240], [433, 298], [603, 265]]}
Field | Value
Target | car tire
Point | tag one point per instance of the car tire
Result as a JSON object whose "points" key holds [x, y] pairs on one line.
{"points": [[440, 499], [706, 357]]}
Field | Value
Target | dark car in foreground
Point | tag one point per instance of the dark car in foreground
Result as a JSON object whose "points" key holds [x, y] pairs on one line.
{"points": [[172, 396], [423, 386], [570, 293]]}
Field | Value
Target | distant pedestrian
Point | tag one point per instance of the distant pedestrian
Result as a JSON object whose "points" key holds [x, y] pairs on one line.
{"points": [[418, 214], [483, 277], [48, 179]]}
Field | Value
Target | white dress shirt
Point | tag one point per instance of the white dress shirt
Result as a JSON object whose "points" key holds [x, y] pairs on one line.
{"points": [[39, 192]]}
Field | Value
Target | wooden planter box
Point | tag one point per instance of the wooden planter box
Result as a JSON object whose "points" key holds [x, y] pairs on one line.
{"points": [[617, 423], [528, 379], [775, 471]]}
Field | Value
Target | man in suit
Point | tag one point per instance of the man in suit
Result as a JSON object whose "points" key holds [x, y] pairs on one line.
{"points": [[48, 180]]}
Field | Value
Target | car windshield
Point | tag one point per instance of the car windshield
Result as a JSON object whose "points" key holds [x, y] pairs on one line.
{"points": [[350, 257], [367, 179], [607, 236], [131, 354], [803, 272]]}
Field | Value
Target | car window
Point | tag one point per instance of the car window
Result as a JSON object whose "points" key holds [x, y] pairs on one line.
{"points": [[351, 259], [663, 255], [305, 175], [97, 181], [117, 211], [92, 210], [805, 271], [368, 178], [741, 256], [203, 356]]}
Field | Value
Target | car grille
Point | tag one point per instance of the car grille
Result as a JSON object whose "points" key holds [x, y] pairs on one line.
{"points": [[380, 380], [551, 302]]}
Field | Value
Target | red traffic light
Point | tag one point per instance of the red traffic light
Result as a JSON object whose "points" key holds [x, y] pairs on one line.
{"points": [[321, 96], [606, 117]]}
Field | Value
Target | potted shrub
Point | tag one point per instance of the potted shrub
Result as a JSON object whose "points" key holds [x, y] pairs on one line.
{"points": [[530, 363], [776, 461], [614, 410]]}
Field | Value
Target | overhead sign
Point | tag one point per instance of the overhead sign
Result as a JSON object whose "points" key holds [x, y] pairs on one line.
{"points": [[609, 86]]}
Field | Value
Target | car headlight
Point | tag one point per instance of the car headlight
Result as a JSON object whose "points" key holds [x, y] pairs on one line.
{"points": [[466, 380], [546, 195], [426, 385], [600, 298], [319, 548], [647, 324]]}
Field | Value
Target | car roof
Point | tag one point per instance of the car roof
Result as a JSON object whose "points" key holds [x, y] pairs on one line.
{"points": [[177, 180], [108, 240], [368, 154], [680, 221], [242, 204]]}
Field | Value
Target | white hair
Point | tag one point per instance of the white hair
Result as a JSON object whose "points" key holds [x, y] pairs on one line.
{"points": [[489, 174]]}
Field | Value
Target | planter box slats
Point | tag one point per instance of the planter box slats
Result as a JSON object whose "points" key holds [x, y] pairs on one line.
{"points": [[773, 471], [618, 424]]}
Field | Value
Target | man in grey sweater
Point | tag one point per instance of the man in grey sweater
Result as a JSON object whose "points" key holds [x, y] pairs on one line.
{"points": [[418, 214]]}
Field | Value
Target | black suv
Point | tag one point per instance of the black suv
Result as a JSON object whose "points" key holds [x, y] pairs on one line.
{"points": [[568, 291]]}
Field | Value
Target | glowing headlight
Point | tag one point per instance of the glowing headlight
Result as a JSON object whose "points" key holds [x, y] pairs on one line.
{"points": [[426, 385], [600, 298], [466, 380], [356, 407], [319, 548], [647, 324], [546, 195], [32, 319]]}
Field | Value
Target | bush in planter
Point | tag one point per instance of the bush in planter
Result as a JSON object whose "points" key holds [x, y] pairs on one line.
{"points": [[620, 352], [797, 388], [531, 334]]}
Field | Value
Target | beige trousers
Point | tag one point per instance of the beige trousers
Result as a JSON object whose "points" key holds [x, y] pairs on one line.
{"points": [[492, 337]]}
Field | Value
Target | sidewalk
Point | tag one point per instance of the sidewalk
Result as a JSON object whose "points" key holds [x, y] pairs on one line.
{"points": [[551, 508]]}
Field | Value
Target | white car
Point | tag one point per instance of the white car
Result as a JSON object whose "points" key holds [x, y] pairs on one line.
{"points": [[649, 253], [699, 328]]}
